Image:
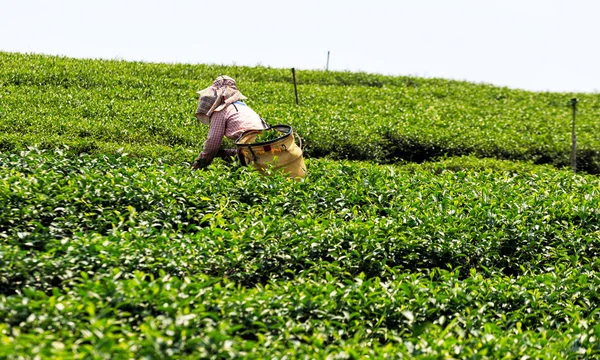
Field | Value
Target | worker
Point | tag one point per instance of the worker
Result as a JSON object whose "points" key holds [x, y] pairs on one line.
{"points": [[220, 106]]}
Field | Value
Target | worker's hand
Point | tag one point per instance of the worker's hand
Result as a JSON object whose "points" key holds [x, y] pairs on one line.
{"points": [[200, 163], [227, 155]]}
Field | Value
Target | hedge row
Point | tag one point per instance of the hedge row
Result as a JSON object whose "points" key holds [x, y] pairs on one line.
{"points": [[102, 106]]}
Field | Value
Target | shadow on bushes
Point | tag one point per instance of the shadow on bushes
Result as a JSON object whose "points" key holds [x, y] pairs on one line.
{"points": [[401, 148]]}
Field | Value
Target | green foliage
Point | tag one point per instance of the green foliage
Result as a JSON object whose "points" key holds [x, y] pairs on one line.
{"points": [[267, 135], [101, 106], [110, 247], [115, 256]]}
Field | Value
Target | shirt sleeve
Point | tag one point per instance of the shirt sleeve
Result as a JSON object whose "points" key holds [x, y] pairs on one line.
{"points": [[218, 124]]}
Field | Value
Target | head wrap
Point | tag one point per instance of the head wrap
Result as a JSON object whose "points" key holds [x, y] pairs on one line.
{"points": [[224, 80], [217, 97]]}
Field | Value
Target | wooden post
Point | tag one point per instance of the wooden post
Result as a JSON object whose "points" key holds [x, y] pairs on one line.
{"points": [[574, 137], [295, 88]]}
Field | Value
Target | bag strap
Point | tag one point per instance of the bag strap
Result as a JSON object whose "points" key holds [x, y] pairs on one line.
{"points": [[264, 123]]}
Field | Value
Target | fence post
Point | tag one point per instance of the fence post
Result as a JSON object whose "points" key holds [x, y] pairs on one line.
{"points": [[574, 137], [295, 88]]}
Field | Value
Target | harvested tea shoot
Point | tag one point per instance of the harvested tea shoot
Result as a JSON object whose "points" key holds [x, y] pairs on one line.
{"points": [[267, 135]]}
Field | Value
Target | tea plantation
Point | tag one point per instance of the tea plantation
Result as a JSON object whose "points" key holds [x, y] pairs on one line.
{"points": [[110, 247]]}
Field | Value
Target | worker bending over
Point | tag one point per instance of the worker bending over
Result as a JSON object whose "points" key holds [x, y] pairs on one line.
{"points": [[221, 108]]}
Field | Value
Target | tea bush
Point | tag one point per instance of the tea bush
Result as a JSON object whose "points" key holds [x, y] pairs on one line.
{"points": [[109, 256], [110, 247], [100, 106]]}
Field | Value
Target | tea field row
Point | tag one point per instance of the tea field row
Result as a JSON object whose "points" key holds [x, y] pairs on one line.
{"points": [[108, 256], [100, 106]]}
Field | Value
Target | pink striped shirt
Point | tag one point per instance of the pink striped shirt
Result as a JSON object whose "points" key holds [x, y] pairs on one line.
{"points": [[231, 122]]}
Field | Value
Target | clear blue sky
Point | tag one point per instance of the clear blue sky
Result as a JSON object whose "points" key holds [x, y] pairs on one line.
{"points": [[540, 45]]}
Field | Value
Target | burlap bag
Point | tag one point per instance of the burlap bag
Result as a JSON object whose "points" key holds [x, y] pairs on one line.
{"points": [[279, 154]]}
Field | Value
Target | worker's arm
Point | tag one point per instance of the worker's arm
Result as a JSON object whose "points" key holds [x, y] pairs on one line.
{"points": [[216, 132]]}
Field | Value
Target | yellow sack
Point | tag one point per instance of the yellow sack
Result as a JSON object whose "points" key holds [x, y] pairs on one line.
{"points": [[281, 153]]}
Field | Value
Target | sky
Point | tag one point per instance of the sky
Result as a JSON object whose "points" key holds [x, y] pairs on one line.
{"points": [[549, 45]]}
